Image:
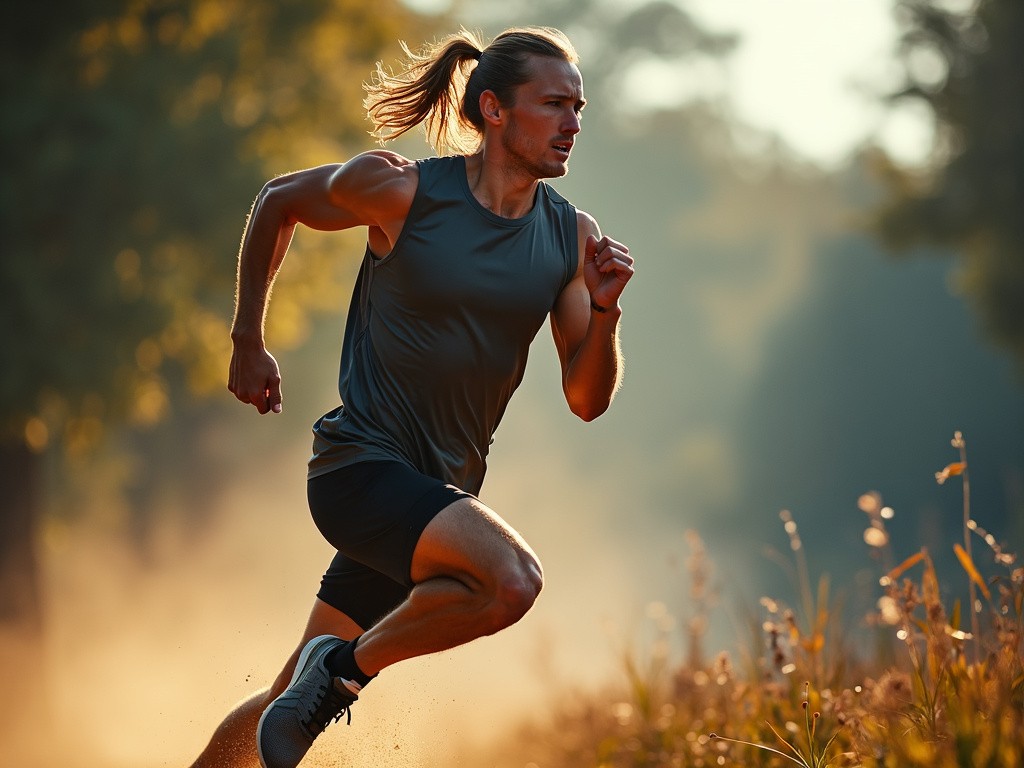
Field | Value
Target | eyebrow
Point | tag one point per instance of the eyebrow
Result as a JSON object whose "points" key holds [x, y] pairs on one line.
{"points": [[579, 100]]}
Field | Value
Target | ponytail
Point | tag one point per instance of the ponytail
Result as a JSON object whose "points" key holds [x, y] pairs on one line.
{"points": [[440, 87]]}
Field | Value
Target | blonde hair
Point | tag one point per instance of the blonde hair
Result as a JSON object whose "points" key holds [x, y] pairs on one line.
{"points": [[440, 85]]}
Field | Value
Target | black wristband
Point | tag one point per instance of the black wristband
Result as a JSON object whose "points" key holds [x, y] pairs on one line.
{"points": [[597, 307]]}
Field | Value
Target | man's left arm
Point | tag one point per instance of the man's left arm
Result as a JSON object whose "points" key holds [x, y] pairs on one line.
{"points": [[585, 322]]}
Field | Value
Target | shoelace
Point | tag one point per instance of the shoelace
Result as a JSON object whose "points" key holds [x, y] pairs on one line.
{"points": [[332, 705]]}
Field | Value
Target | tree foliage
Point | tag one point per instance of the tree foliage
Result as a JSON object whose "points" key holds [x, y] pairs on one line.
{"points": [[135, 133], [967, 67]]}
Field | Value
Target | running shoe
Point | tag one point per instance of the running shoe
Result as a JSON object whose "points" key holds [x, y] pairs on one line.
{"points": [[313, 700]]}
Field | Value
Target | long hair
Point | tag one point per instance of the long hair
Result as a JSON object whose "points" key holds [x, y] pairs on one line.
{"points": [[440, 85]]}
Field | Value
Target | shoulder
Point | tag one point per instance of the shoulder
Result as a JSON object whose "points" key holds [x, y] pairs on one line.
{"points": [[557, 200], [586, 225], [381, 160], [376, 173]]}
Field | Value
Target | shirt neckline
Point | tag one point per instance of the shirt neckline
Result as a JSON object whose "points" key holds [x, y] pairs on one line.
{"points": [[487, 213]]}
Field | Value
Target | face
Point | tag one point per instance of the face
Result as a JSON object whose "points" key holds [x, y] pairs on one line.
{"points": [[542, 124]]}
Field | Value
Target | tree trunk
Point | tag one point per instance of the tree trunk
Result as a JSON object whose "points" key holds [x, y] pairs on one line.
{"points": [[22, 677]]}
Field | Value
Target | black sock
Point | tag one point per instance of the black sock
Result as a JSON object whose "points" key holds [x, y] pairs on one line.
{"points": [[342, 663]]}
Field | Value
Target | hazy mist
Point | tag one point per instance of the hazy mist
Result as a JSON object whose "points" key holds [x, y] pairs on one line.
{"points": [[777, 358]]}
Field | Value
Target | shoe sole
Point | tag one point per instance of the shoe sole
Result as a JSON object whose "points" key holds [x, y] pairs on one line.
{"points": [[300, 665]]}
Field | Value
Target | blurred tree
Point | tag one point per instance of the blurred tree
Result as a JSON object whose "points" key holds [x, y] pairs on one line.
{"points": [[967, 67], [613, 37], [134, 134]]}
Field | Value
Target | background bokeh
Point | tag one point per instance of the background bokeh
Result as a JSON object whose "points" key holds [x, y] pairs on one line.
{"points": [[824, 203]]}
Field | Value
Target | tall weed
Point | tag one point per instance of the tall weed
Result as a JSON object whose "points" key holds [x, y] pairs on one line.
{"points": [[945, 689]]}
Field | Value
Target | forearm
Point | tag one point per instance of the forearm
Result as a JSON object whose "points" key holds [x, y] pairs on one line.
{"points": [[265, 241], [594, 373]]}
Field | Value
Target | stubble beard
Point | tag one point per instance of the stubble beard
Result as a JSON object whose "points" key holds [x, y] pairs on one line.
{"points": [[519, 152]]}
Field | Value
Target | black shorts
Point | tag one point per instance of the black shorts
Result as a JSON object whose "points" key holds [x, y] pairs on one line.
{"points": [[373, 513]]}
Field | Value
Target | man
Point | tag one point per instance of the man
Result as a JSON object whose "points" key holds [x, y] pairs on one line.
{"points": [[467, 255]]}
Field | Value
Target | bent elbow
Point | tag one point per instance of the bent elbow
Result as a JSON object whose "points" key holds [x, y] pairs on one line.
{"points": [[273, 200], [588, 411], [590, 397], [272, 189]]}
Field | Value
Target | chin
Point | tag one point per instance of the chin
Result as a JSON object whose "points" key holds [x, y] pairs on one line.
{"points": [[556, 170]]}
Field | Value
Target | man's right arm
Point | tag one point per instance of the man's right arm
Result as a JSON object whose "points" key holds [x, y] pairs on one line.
{"points": [[374, 189]]}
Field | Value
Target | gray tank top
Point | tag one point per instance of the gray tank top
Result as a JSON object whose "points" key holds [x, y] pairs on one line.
{"points": [[438, 331]]}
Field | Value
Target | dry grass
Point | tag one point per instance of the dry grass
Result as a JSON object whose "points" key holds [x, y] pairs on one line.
{"points": [[945, 686]]}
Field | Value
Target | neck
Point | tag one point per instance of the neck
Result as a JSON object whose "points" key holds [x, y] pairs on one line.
{"points": [[498, 187]]}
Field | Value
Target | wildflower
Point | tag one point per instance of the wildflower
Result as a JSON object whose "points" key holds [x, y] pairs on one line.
{"points": [[893, 692], [910, 598], [951, 470], [845, 707]]}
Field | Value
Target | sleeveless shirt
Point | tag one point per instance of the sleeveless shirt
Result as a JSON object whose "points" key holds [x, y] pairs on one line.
{"points": [[438, 331]]}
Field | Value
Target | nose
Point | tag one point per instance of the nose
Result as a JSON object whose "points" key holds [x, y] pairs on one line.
{"points": [[572, 124]]}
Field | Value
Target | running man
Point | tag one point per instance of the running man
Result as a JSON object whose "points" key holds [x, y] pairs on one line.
{"points": [[467, 254]]}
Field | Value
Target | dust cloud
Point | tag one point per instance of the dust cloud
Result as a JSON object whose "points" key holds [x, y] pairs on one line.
{"points": [[144, 657]]}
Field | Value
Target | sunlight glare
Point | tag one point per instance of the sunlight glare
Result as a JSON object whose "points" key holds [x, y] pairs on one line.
{"points": [[907, 132], [814, 73]]}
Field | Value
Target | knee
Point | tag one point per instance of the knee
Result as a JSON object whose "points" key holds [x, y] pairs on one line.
{"points": [[514, 595]]}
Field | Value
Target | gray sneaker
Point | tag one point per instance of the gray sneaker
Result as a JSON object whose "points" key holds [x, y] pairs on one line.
{"points": [[312, 701]]}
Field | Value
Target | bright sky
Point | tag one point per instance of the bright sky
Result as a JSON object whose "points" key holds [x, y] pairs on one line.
{"points": [[811, 71]]}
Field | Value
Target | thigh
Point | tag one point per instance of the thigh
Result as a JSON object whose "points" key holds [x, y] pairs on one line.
{"points": [[469, 539], [374, 512]]}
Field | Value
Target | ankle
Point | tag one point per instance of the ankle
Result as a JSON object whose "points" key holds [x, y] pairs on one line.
{"points": [[342, 663]]}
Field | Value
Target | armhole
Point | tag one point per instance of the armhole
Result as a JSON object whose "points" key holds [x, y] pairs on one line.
{"points": [[414, 209], [572, 251], [566, 213]]}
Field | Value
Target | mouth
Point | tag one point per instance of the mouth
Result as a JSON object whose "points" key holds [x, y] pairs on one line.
{"points": [[563, 148]]}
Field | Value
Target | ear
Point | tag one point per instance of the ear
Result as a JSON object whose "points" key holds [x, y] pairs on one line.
{"points": [[490, 108]]}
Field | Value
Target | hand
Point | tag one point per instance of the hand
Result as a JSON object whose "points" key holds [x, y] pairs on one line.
{"points": [[607, 267], [255, 378]]}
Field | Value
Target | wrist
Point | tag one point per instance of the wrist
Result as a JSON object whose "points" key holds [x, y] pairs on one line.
{"points": [[243, 337], [609, 311]]}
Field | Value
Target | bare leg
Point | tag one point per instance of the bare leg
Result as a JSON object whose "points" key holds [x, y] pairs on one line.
{"points": [[473, 575], [233, 744]]}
